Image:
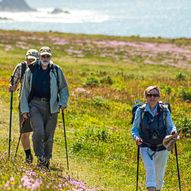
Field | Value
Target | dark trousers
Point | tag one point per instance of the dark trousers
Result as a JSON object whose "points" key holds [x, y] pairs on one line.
{"points": [[43, 125]]}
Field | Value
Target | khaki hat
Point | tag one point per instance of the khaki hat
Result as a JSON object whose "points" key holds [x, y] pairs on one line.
{"points": [[169, 141], [45, 50], [32, 54]]}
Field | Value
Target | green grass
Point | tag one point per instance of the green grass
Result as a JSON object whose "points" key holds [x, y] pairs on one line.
{"points": [[104, 81]]}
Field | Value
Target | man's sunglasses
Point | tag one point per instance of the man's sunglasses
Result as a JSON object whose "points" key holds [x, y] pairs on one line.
{"points": [[154, 95], [45, 56]]}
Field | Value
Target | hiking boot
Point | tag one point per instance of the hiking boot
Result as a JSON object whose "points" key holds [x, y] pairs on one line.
{"points": [[41, 162], [29, 159], [47, 165]]}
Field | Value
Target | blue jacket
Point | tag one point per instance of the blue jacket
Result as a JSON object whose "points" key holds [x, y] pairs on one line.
{"points": [[55, 91]]}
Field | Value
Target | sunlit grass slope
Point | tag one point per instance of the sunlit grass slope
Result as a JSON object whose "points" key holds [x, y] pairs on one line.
{"points": [[105, 76]]}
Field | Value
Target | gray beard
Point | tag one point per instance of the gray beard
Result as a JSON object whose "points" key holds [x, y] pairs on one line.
{"points": [[45, 62]]}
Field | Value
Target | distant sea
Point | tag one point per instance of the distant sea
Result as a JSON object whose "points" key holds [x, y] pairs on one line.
{"points": [[146, 18]]}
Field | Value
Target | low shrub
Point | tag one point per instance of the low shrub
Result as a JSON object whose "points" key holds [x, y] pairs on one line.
{"points": [[185, 94], [92, 81], [184, 126], [99, 101], [180, 77], [106, 80]]}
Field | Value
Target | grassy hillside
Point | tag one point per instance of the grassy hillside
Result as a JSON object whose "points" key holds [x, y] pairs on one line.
{"points": [[105, 75]]}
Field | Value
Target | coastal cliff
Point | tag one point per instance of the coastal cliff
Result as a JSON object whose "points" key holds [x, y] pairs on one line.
{"points": [[15, 5]]}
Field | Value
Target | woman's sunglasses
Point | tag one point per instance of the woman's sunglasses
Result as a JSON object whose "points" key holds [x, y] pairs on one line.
{"points": [[154, 95]]}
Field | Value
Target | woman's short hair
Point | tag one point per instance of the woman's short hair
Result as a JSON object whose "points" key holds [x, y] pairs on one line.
{"points": [[148, 89]]}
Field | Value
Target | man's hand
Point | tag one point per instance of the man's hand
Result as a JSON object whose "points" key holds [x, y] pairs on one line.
{"points": [[12, 88], [138, 140], [62, 107], [25, 116]]}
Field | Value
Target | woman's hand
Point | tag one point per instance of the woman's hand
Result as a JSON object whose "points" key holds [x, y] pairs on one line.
{"points": [[138, 140], [175, 135]]}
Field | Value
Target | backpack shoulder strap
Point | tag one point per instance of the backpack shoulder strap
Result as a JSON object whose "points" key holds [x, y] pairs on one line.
{"points": [[32, 78], [142, 108], [164, 107], [23, 69]]}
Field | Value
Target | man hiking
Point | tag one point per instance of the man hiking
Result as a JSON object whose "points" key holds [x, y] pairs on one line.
{"points": [[151, 125], [18, 75], [44, 93]]}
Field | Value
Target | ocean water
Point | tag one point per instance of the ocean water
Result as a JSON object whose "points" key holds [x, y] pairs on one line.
{"points": [[147, 18]]}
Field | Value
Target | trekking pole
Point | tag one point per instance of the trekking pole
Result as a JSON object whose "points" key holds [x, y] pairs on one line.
{"points": [[21, 124], [18, 145], [178, 171], [66, 147], [137, 175], [10, 120]]}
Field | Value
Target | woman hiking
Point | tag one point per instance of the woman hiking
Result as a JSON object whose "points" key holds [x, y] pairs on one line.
{"points": [[151, 124]]}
